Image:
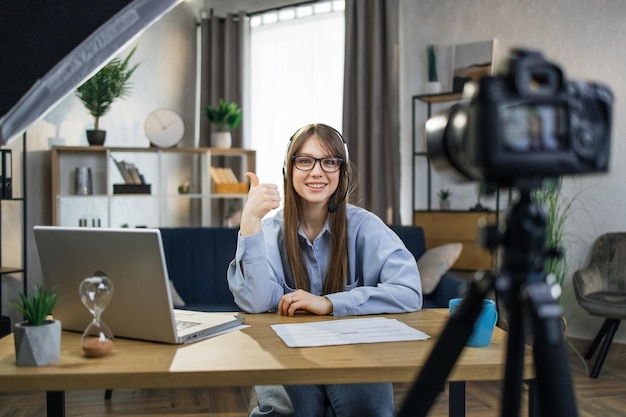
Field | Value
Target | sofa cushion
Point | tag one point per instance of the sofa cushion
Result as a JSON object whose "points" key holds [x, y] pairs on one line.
{"points": [[449, 286], [435, 262], [413, 238]]}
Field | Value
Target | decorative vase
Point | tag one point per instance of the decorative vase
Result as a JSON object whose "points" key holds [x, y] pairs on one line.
{"points": [[433, 87], [37, 345], [444, 204], [221, 140], [96, 137]]}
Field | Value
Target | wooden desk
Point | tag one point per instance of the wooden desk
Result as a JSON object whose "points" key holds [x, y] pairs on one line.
{"points": [[252, 356]]}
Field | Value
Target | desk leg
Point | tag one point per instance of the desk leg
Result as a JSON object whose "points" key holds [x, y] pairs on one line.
{"points": [[532, 398], [456, 398], [55, 403]]}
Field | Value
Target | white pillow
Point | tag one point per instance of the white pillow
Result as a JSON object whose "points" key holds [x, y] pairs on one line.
{"points": [[435, 262], [177, 300]]}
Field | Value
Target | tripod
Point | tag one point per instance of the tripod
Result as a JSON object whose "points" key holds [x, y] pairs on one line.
{"points": [[531, 303]]}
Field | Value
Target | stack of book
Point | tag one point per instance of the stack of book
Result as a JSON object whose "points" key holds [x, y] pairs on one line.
{"points": [[134, 182], [225, 182]]}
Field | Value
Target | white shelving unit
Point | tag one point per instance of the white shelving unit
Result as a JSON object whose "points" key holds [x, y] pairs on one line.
{"points": [[164, 169]]}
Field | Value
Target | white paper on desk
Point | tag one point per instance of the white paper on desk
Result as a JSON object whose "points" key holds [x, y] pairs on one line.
{"points": [[346, 332]]}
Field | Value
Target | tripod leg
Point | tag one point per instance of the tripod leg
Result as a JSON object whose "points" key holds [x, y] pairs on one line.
{"points": [[532, 399], [606, 344], [554, 381], [511, 398], [446, 351]]}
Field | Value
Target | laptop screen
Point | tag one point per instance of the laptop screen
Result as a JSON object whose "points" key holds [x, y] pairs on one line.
{"points": [[141, 305]]}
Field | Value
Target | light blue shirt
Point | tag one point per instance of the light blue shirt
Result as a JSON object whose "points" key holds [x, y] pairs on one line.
{"points": [[383, 276]]}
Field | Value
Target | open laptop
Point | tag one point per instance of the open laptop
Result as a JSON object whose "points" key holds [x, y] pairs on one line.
{"points": [[133, 259]]}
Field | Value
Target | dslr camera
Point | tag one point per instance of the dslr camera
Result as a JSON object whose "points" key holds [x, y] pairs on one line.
{"points": [[524, 125]]}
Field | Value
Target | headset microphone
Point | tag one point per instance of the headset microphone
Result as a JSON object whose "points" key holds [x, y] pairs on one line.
{"points": [[333, 207]]}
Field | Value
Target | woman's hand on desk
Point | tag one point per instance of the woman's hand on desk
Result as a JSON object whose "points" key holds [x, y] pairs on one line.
{"points": [[301, 300]]}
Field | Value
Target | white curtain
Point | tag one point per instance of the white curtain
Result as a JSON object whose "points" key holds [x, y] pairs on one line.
{"points": [[296, 78]]}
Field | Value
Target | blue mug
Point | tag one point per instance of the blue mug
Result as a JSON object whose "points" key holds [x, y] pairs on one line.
{"points": [[483, 327]]}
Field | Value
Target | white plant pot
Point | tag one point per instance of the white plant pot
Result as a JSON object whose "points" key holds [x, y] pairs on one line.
{"points": [[433, 87], [37, 345], [221, 140]]}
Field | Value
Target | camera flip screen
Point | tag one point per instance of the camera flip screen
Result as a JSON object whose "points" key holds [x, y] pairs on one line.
{"points": [[533, 128]]}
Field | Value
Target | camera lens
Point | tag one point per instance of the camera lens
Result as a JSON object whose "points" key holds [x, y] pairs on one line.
{"points": [[445, 137]]}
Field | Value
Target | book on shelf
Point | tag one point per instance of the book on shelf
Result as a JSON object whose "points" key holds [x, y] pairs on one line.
{"points": [[129, 172], [226, 182], [223, 175]]}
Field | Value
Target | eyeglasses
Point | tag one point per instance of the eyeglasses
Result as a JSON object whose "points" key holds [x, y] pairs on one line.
{"points": [[307, 163]]}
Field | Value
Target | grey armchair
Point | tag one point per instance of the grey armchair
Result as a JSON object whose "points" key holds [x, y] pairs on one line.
{"points": [[600, 288]]}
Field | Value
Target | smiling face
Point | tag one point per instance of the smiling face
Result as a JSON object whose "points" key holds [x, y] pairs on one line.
{"points": [[315, 186]]}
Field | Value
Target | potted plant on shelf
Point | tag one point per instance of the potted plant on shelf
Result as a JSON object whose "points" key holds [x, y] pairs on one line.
{"points": [[37, 338], [433, 86], [444, 199], [102, 89], [226, 116]]}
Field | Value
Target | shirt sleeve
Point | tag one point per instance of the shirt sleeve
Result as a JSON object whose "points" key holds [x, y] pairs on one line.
{"points": [[384, 277], [252, 276]]}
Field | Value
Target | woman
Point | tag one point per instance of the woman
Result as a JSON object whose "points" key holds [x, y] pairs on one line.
{"points": [[322, 256]]}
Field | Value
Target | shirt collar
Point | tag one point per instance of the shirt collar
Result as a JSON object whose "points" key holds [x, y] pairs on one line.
{"points": [[325, 229]]}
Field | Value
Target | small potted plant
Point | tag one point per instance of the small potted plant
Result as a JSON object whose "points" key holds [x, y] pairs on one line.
{"points": [[101, 90], [433, 86], [226, 116], [37, 338], [444, 199]]}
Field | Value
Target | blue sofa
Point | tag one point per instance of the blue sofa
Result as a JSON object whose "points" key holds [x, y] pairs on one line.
{"points": [[197, 259]]}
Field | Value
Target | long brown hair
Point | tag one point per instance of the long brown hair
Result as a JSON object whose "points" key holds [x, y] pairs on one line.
{"points": [[337, 273]]}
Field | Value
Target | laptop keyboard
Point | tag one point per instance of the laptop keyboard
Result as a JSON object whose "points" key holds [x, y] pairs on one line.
{"points": [[182, 325]]}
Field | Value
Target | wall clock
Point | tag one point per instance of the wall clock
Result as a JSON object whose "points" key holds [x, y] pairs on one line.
{"points": [[164, 127]]}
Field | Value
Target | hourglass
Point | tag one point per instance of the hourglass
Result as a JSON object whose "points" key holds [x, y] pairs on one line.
{"points": [[96, 292]]}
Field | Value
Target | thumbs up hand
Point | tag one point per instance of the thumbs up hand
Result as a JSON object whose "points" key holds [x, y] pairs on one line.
{"points": [[262, 198]]}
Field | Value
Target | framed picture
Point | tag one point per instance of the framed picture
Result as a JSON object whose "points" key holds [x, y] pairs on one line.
{"points": [[471, 61]]}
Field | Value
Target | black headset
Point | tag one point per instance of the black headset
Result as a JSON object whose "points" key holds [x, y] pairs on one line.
{"points": [[339, 135]]}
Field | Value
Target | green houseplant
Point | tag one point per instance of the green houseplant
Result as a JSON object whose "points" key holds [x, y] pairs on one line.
{"points": [[102, 89], [444, 199], [432, 64], [37, 338], [226, 116], [557, 209], [433, 86]]}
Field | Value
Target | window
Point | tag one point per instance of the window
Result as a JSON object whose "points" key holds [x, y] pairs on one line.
{"points": [[296, 78]]}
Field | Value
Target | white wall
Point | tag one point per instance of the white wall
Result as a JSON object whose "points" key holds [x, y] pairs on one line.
{"points": [[583, 37]]}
